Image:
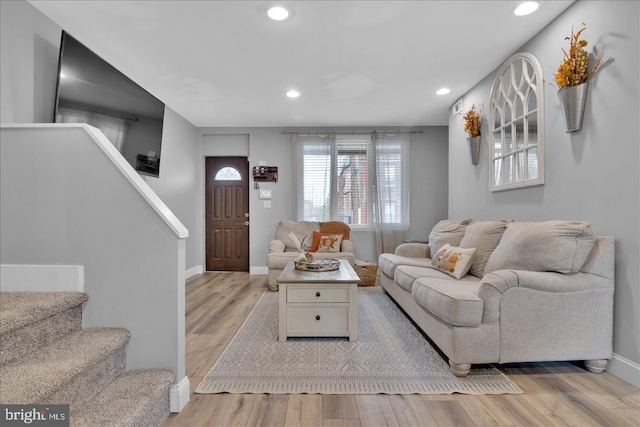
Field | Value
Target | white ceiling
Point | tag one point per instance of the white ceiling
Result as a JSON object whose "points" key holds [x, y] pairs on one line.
{"points": [[356, 63]]}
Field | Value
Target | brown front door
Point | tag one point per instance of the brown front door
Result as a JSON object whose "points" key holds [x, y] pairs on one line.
{"points": [[227, 213]]}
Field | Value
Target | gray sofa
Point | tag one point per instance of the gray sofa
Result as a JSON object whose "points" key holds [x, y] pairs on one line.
{"points": [[535, 291], [283, 248]]}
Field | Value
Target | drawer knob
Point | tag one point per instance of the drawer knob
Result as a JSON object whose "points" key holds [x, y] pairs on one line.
{"points": [[317, 294], [318, 317]]}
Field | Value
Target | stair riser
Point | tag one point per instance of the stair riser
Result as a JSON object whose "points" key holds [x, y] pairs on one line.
{"points": [[94, 379], [157, 412], [139, 397], [27, 341]]}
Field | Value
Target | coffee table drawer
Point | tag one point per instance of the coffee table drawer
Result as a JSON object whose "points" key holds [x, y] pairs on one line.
{"points": [[317, 294], [313, 320]]}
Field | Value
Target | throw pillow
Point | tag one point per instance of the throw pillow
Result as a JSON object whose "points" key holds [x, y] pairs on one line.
{"points": [[307, 242], [317, 236], [452, 260], [447, 231], [484, 236], [329, 243], [561, 246]]}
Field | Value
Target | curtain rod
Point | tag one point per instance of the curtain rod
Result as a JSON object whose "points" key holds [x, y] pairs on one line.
{"points": [[339, 132]]}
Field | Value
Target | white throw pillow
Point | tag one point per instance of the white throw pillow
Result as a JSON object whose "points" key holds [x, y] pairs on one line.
{"points": [[452, 260]]}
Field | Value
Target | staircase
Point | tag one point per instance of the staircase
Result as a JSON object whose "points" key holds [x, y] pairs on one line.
{"points": [[47, 358]]}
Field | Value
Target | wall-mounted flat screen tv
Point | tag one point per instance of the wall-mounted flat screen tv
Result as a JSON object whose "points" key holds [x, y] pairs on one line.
{"points": [[91, 91]]}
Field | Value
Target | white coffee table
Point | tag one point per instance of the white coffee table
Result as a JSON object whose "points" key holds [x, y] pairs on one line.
{"points": [[318, 304]]}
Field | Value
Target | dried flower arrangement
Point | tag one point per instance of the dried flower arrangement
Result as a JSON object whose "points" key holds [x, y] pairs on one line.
{"points": [[472, 122], [574, 70]]}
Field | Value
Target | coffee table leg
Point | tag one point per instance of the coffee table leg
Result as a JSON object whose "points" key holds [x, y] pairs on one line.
{"points": [[282, 312], [353, 312]]}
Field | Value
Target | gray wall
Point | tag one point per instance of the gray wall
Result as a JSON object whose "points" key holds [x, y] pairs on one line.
{"points": [[178, 184], [29, 45], [591, 175], [428, 192]]}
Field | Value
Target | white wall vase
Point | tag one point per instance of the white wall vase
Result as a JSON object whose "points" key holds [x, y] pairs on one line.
{"points": [[474, 149], [572, 100]]}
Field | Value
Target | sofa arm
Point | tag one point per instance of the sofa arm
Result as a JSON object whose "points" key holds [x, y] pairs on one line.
{"points": [[413, 250], [493, 285], [346, 246], [276, 246]]}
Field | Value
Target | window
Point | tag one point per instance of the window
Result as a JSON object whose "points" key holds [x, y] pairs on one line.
{"points": [[517, 124], [228, 174], [338, 176]]}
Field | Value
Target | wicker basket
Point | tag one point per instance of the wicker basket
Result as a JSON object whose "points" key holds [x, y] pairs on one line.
{"points": [[367, 272]]}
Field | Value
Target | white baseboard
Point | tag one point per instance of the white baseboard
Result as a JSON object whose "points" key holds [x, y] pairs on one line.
{"points": [[625, 369], [179, 395], [259, 270], [42, 278], [193, 271]]}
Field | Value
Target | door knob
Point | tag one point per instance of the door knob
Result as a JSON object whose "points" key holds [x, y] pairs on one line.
{"points": [[246, 223], [246, 215]]}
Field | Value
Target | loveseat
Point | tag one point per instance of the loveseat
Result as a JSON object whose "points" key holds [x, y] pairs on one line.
{"points": [[284, 247], [526, 292]]}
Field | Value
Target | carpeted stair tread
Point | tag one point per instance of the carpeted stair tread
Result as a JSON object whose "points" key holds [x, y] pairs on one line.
{"points": [[57, 371], [20, 309], [136, 398]]}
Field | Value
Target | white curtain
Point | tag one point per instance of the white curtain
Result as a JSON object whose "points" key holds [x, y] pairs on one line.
{"points": [[312, 166], [391, 189]]}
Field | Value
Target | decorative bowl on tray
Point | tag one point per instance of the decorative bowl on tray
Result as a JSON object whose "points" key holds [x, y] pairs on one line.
{"points": [[318, 265]]}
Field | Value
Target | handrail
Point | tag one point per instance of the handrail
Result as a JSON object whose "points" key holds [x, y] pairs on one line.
{"points": [[125, 168]]}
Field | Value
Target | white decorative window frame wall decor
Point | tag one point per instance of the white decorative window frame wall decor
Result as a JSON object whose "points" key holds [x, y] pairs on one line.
{"points": [[516, 121]]}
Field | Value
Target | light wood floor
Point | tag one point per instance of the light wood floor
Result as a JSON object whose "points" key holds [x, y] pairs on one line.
{"points": [[555, 394]]}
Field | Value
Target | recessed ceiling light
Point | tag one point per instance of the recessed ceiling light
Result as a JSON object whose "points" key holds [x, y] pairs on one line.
{"points": [[293, 93], [526, 8], [443, 91], [278, 13]]}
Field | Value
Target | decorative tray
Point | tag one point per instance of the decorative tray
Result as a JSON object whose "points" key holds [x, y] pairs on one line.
{"points": [[318, 265]]}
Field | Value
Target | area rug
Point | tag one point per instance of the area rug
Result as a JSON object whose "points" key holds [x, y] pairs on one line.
{"points": [[391, 356]]}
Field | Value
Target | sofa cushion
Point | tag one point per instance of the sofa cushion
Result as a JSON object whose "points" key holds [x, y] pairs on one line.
{"points": [[448, 231], [453, 260], [405, 275], [484, 236], [561, 246], [455, 302], [299, 229], [387, 263]]}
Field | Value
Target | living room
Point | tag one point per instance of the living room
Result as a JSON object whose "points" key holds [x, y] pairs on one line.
{"points": [[584, 178]]}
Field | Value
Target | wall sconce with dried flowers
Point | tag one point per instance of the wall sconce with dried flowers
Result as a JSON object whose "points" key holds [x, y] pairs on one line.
{"points": [[572, 78], [472, 121]]}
